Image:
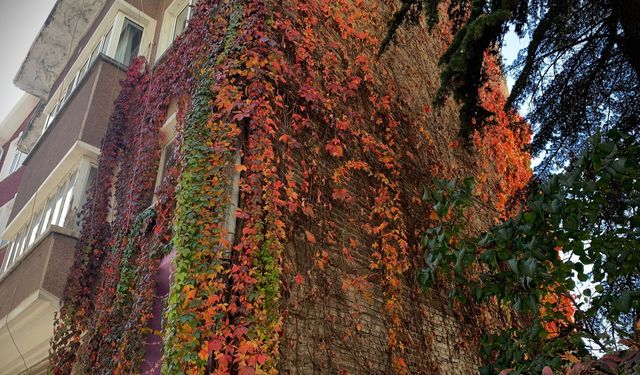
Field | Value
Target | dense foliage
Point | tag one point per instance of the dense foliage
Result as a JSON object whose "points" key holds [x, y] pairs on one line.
{"points": [[581, 225], [283, 101], [580, 73]]}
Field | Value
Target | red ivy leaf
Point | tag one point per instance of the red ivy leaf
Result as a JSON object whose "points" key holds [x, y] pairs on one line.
{"points": [[334, 148], [341, 194], [308, 210], [215, 345]]}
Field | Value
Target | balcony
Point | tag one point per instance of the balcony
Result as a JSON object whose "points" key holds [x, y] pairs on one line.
{"points": [[82, 120], [9, 186], [29, 297]]}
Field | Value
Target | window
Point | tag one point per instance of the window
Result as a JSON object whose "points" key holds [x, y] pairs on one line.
{"points": [[127, 47], [13, 159], [167, 159], [18, 158], [105, 41], [182, 20], [168, 132], [33, 229], [59, 210], [50, 117], [129, 42], [174, 22], [84, 69]]}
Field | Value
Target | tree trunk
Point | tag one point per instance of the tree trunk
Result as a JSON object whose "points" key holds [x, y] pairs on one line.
{"points": [[629, 16]]}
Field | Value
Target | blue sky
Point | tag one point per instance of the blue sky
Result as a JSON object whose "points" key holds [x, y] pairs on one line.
{"points": [[20, 22], [510, 47]]}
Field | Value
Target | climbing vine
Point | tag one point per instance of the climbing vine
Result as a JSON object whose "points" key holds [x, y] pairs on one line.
{"points": [[532, 262], [283, 112]]}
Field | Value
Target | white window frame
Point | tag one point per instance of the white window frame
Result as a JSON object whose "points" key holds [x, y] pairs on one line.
{"points": [[104, 40], [9, 166], [67, 198], [169, 19], [168, 133]]}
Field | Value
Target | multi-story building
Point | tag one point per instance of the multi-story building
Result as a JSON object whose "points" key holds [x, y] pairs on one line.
{"points": [[319, 254], [11, 158], [49, 153]]}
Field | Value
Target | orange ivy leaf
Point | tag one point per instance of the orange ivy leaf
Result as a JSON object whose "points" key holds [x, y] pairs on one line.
{"points": [[246, 347], [262, 358], [308, 210], [342, 124], [341, 194], [334, 148], [310, 237]]}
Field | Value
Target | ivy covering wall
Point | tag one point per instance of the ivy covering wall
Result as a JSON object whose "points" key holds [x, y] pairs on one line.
{"points": [[294, 91]]}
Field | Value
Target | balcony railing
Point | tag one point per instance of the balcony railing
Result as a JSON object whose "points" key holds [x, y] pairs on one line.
{"points": [[61, 209]]}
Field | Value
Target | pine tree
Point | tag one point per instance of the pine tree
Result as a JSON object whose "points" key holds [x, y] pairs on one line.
{"points": [[579, 74]]}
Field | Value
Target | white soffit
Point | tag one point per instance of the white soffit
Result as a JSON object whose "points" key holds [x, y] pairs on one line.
{"points": [[16, 117]]}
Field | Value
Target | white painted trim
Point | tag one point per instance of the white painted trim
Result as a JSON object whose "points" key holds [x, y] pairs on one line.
{"points": [[31, 325], [16, 117], [165, 39], [117, 12], [80, 150]]}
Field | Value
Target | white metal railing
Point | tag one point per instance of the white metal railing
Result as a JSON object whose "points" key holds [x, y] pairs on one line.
{"points": [[57, 211]]}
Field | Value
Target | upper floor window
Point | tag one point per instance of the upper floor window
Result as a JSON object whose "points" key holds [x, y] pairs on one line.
{"points": [[60, 209], [182, 20], [129, 42], [18, 158], [167, 159], [118, 37], [13, 160], [175, 22]]}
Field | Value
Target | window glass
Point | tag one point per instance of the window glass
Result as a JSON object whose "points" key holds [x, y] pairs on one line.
{"points": [[47, 216], [7, 257], [74, 83], [105, 41], [63, 98], [84, 69], [94, 54], [168, 151], [51, 117], [16, 250], [129, 42], [48, 121], [33, 231], [57, 208], [182, 20], [67, 93], [18, 157], [67, 204], [23, 242]]}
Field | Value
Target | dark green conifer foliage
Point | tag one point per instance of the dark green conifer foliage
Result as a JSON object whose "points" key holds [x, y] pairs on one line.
{"points": [[579, 74]]}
